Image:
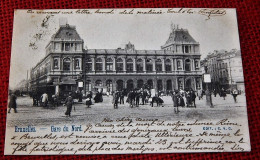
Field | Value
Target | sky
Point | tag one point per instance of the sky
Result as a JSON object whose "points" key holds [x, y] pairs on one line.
{"points": [[110, 31]]}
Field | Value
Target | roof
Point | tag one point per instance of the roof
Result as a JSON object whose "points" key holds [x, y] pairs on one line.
{"points": [[179, 36], [67, 32], [131, 52]]}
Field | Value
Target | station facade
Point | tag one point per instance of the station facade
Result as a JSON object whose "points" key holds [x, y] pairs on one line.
{"points": [[67, 66]]}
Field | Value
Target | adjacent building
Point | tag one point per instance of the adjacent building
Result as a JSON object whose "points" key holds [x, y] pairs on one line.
{"points": [[225, 68], [67, 65]]}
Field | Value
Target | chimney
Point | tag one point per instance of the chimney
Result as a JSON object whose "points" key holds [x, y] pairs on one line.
{"points": [[63, 21]]}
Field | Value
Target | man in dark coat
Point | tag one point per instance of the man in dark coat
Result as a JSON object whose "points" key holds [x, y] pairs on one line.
{"points": [[137, 98], [121, 97], [88, 99], [193, 98], [223, 93], [12, 103], [175, 96], [116, 97], [234, 94], [69, 103]]}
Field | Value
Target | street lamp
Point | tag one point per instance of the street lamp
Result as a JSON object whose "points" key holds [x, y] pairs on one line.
{"points": [[207, 80]]}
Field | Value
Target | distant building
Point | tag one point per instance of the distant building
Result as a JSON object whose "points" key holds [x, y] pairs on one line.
{"points": [[225, 68], [176, 65]]}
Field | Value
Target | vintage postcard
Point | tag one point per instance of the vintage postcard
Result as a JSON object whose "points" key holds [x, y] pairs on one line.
{"points": [[119, 81]]}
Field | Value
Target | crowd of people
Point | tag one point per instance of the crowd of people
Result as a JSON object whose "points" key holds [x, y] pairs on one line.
{"points": [[134, 98]]}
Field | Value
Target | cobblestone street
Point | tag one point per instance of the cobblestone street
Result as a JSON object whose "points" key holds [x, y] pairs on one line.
{"points": [[39, 116]]}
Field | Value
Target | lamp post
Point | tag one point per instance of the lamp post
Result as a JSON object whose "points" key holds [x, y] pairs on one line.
{"points": [[80, 86], [207, 80]]}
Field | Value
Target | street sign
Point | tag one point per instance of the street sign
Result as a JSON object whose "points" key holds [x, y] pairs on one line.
{"points": [[207, 78], [80, 84]]}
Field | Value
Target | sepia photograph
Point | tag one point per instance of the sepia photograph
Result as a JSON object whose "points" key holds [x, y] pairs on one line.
{"points": [[113, 81]]}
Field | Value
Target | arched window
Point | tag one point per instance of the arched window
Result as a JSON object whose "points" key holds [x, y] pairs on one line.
{"points": [[66, 64], [158, 65], [159, 85], [109, 64], [98, 83], [99, 64], [130, 85], [187, 65], [168, 65], [129, 65], [139, 65], [150, 83], [56, 63], [119, 65], [149, 65], [140, 83], [109, 85], [88, 65], [119, 85], [169, 85]]}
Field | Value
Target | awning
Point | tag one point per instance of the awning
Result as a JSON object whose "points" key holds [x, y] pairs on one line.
{"points": [[68, 81]]}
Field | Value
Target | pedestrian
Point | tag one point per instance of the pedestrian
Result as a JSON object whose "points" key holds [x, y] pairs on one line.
{"points": [[200, 94], [121, 97], [175, 96], [215, 92], [116, 97], [68, 102], [130, 98], [137, 98], [12, 103], [188, 98], [143, 95], [44, 99], [193, 98], [223, 93], [234, 94], [88, 100]]}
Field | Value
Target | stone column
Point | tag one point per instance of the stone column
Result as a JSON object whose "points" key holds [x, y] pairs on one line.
{"points": [[114, 64], [155, 84], [134, 65], [124, 64], [104, 64], [114, 85], [154, 69], [172, 65], [175, 65], [144, 65], [195, 83], [93, 64], [163, 65]]}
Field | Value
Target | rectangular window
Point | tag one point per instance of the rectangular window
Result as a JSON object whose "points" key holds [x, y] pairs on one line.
{"points": [[57, 46], [98, 66], [149, 67], [129, 68], [78, 46], [67, 46], [158, 67], [88, 67], [168, 68], [119, 67], [186, 49], [109, 67], [139, 68]]}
